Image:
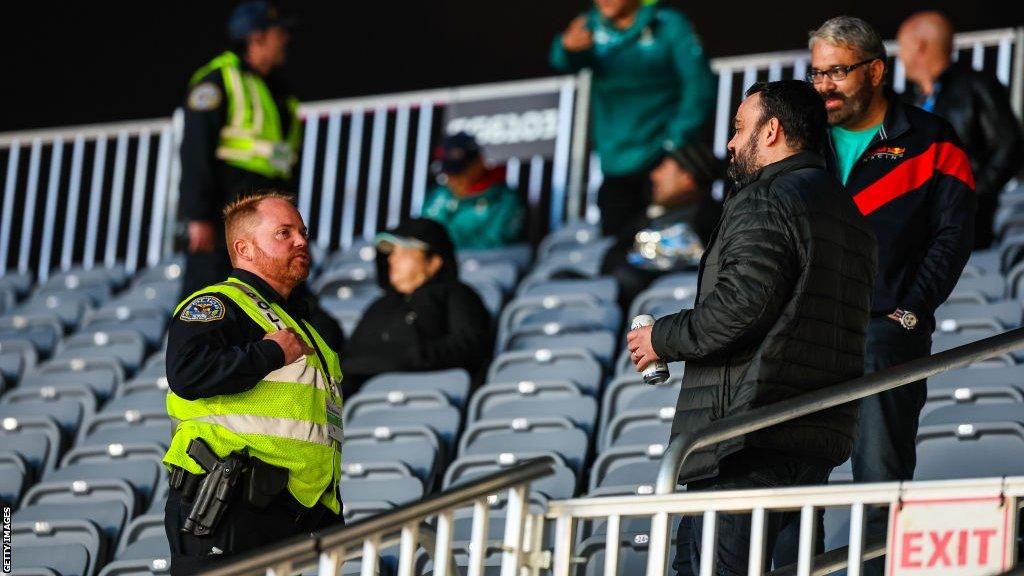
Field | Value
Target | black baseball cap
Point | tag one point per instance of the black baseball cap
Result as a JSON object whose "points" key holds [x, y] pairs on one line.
{"points": [[698, 160], [253, 16], [421, 233], [457, 152]]}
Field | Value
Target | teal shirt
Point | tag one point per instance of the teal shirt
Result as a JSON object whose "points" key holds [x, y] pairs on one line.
{"points": [[850, 144], [491, 219], [652, 86]]}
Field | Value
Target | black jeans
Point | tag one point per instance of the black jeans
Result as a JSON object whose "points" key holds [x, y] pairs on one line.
{"points": [[623, 198], [241, 529], [884, 448], [733, 543]]}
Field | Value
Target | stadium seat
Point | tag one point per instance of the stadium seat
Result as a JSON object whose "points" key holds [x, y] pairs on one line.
{"points": [[101, 375], [999, 316], [453, 383], [520, 435], [95, 283], [502, 273], [355, 275], [143, 549], [605, 289], [143, 384], [392, 483], [632, 554], [599, 342], [991, 285], [67, 412], [978, 376], [660, 302], [630, 467], [142, 474], [942, 341], [126, 346], [168, 271], [570, 311], [639, 427], [418, 447], [969, 395], [151, 323], [21, 283], [628, 392], [16, 357], [128, 426], [559, 485], [42, 331], [155, 366], [569, 237], [164, 296], [15, 476], [577, 366], [152, 400], [426, 408], [490, 294], [497, 401], [65, 306], [979, 449], [675, 280], [519, 254], [36, 439], [64, 547]]}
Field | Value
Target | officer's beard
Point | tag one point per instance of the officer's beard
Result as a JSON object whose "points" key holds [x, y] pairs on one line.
{"points": [[289, 271]]}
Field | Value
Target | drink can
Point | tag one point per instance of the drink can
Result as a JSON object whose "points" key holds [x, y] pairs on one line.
{"points": [[656, 372]]}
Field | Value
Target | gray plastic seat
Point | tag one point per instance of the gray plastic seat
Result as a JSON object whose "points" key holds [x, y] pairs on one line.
{"points": [[21, 283], [559, 485], [16, 357], [163, 296], [518, 254], [144, 539], [141, 384], [577, 365], [1000, 315], [123, 427], [501, 273], [945, 341], [348, 299], [490, 294], [171, 270], [569, 237], [992, 286], [661, 301], [44, 331], [151, 323], [65, 547], [418, 447], [604, 289], [639, 427], [355, 275], [978, 376], [632, 554], [631, 467], [970, 395], [972, 413], [396, 491], [629, 392], [675, 280], [126, 346], [101, 375], [69, 307], [152, 400], [15, 476], [970, 449], [569, 311], [533, 400], [37, 439], [453, 383], [155, 366], [68, 413], [142, 473], [601, 343], [427, 408], [519, 435]]}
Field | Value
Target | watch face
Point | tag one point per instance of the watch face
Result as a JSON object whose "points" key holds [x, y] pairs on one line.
{"points": [[909, 320]]}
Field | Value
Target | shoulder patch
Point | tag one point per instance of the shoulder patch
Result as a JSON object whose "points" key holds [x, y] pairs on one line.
{"points": [[203, 309], [204, 97]]}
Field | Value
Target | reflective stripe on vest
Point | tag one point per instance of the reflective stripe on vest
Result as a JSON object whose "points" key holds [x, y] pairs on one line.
{"points": [[252, 138], [282, 420]]}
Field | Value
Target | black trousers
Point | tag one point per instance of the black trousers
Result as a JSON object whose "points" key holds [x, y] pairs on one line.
{"points": [[733, 545], [623, 198], [242, 528], [885, 446]]}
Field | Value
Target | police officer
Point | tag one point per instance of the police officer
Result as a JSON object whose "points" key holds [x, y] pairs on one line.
{"points": [[241, 134], [253, 380]]}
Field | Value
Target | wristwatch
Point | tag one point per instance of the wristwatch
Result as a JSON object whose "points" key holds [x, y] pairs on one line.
{"points": [[905, 318]]}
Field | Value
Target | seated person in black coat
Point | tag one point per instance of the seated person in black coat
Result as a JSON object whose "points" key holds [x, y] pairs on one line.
{"points": [[426, 319], [672, 235]]}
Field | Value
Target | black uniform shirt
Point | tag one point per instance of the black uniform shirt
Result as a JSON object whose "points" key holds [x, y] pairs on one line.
{"points": [[207, 183], [215, 348]]}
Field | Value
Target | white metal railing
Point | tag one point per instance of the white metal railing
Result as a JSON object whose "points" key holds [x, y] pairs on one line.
{"points": [[107, 194], [852, 498]]}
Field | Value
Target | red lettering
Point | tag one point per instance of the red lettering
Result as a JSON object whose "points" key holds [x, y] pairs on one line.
{"points": [[939, 551], [961, 548], [910, 546], [984, 535]]}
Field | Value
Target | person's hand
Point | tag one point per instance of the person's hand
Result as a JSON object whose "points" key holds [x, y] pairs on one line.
{"points": [[577, 37], [641, 351], [291, 344], [201, 236]]}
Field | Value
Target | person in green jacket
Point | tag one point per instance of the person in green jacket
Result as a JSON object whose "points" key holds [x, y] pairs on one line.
{"points": [[471, 200], [652, 88]]}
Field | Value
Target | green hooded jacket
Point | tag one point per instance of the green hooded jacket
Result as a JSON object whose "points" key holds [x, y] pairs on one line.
{"points": [[490, 217], [652, 86]]}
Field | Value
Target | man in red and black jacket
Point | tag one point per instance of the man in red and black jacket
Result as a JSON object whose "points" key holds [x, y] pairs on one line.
{"points": [[911, 179]]}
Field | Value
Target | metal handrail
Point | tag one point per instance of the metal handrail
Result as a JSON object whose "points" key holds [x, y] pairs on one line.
{"points": [[352, 535], [683, 445]]}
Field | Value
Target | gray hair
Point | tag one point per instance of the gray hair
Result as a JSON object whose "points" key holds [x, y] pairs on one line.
{"points": [[851, 32]]}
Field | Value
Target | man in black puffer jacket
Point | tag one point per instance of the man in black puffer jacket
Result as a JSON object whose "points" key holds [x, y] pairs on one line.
{"points": [[783, 308]]}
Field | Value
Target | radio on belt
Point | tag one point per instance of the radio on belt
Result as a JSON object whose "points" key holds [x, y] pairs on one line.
{"points": [[656, 372]]}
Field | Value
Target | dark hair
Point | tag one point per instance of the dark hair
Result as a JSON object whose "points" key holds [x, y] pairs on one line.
{"points": [[799, 109]]}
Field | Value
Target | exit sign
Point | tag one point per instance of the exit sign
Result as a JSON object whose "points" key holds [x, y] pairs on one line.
{"points": [[961, 536]]}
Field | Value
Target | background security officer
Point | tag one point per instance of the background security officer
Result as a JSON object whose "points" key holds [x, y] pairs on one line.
{"points": [[241, 134], [252, 377]]}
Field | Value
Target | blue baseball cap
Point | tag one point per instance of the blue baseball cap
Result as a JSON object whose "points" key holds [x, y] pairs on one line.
{"points": [[254, 16]]}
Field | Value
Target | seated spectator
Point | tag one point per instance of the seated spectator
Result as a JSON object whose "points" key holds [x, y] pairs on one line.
{"points": [[973, 101], [426, 319], [678, 224], [471, 200]]}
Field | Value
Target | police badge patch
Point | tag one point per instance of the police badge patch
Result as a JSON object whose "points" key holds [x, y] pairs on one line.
{"points": [[204, 97], [203, 309]]}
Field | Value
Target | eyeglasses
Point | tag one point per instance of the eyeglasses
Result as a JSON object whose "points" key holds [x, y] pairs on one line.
{"points": [[835, 73]]}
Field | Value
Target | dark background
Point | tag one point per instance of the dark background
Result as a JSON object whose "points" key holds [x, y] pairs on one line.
{"points": [[84, 62]]}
